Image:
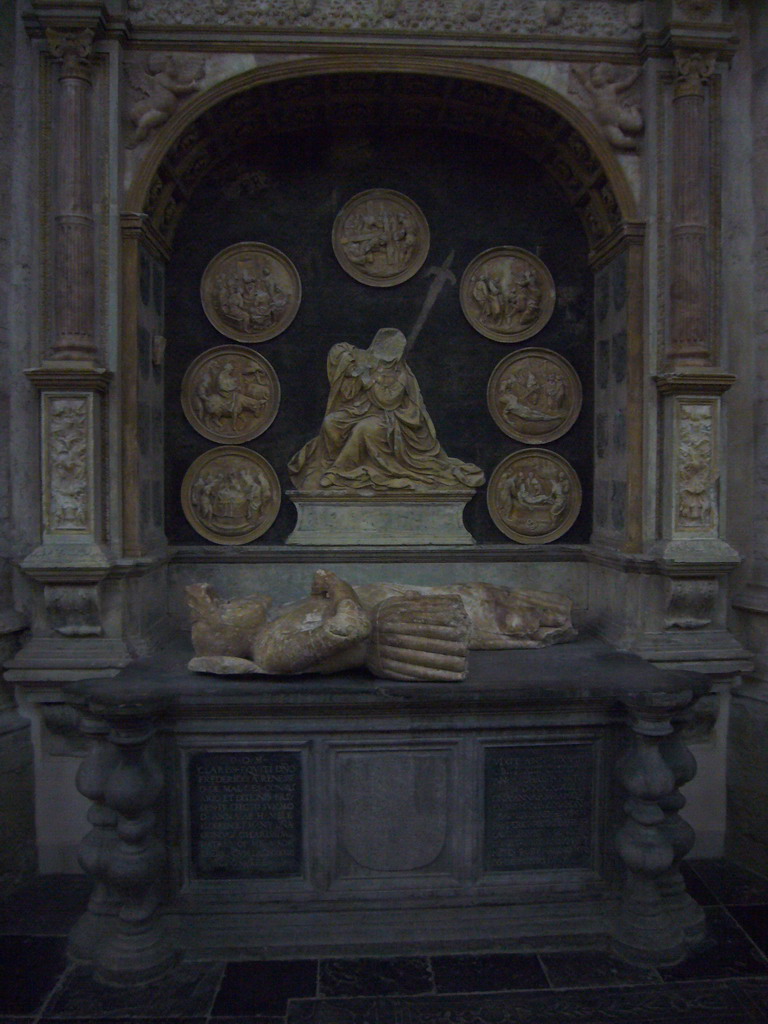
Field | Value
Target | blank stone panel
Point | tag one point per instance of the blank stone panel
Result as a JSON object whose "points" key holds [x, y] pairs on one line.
{"points": [[392, 811]]}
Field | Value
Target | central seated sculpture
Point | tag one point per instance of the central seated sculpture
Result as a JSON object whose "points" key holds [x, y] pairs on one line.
{"points": [[377, 434], [396, 631]]}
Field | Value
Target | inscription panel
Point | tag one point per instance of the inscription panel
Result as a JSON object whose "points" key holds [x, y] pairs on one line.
{"points": [[245, 814], [538, 807]]}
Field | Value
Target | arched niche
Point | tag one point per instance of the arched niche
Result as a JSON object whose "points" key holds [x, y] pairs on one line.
{"points": [[210, 140]]}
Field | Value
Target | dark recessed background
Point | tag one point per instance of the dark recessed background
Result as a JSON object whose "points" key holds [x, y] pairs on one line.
{"points": [[475, 194]]}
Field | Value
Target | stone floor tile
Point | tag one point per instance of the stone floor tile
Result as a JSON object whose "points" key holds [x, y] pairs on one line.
{"points": [[594, 969], [375, 976], [731, 884], [728, 953], [263, 986], [754, 921], [48, 905], [121, 1020], [186, 991], [30, 966], [692, 1003], [492, 972], [697, 890]]}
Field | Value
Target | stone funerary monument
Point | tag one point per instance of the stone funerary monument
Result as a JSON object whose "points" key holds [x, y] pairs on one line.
{"points": [[451, 315]]}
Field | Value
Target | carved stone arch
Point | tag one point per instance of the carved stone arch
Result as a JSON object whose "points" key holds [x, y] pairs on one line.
{"points": [[578, 156], [495, 104]]}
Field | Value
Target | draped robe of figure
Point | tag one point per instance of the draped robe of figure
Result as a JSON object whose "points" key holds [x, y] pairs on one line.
{"points": [[377, 432]]}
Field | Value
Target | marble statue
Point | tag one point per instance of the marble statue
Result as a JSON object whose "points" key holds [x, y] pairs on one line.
{"points": [[377, 434], [394, 630]]}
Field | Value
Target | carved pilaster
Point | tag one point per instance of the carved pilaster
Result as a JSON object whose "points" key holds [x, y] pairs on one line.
{"points": [[690, 321], [649, 929], [74, 262]]}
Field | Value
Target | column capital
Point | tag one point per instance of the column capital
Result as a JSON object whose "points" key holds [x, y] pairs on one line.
{"points": [[74, 48], [693, 70]]}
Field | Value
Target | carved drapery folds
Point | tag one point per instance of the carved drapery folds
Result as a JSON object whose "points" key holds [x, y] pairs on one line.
{"points": [[690, 272], [74, 242]]}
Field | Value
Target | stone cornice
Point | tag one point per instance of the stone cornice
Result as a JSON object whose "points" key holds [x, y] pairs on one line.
{"points": [[69, 376], [72, 16], [696, 380], [138, 225]]}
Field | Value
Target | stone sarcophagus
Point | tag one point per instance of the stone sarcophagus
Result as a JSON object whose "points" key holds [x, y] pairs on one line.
{"points": [[535, 801]]}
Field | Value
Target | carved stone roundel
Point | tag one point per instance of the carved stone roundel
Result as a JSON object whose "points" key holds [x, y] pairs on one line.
{"points": [[507, 294], [534, 395], [230, 395], [534, 496], [230, 495], [381, 238], [250, 292]]}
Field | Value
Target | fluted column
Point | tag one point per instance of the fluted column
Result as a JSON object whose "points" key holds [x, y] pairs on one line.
{"points": [[74, 227], [690, 327]]}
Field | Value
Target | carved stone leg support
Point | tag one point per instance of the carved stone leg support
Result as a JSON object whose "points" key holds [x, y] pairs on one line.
{"points": [[121, 932], [650, 928], [681, 836], [97, 846]]}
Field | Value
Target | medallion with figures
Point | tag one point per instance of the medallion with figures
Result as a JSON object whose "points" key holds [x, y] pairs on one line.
{"points": [[250, 292], [534, 496], [507, 294], [230, 495], [381, 237], [534, 395], [230, 395]]}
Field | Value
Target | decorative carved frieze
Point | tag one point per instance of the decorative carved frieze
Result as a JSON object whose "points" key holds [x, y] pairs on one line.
{"points": [[74, 610], [603, 18], [690, 603], [602, 91]]}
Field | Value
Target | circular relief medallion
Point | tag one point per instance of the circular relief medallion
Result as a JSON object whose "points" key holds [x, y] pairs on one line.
{"points": [[230, 395], [250, 291], [381, 237], [507, 294], [230, 495], [534, 395], [534, 496]]}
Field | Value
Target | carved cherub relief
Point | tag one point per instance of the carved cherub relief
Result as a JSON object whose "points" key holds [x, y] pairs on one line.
{"points": [[162, 80], [602, 92]]}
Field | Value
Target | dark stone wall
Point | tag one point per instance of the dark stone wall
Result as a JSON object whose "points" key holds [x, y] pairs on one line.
{"points": [[286, 192]]}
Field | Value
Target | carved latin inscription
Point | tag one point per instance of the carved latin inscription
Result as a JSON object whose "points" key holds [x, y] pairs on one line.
{"points": [[538, 807], [245, 814]]}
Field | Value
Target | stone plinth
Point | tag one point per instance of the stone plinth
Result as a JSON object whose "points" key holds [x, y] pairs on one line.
{"points": [[381, 520]]}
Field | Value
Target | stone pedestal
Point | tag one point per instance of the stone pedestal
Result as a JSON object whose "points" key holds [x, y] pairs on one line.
{"points": [[387, 521]]}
